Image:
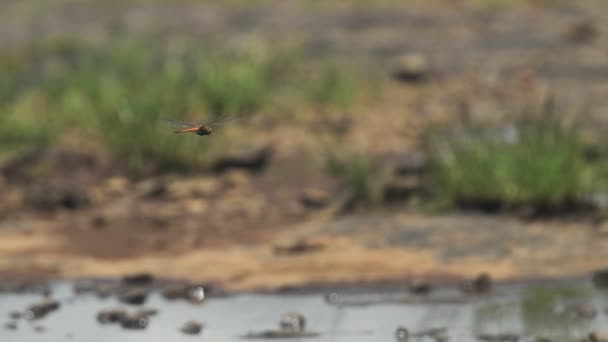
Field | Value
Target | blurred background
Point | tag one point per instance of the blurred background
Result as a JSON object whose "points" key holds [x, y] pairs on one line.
{"points": [[367, 141]]}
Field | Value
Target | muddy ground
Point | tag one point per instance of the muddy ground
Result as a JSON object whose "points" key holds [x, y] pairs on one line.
{"points": [[282, 225]]}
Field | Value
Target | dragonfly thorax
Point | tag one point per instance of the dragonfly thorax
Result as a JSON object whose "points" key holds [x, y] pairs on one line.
{"points": [[204, 130]]}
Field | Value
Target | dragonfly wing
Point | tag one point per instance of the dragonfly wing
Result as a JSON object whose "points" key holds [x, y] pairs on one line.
{"points": [[223, 120], [179, 124]]}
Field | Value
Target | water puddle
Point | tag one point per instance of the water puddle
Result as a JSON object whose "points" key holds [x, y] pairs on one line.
{"points": [[557, 312]]}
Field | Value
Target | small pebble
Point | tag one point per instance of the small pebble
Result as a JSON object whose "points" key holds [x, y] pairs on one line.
{"points": [[402, 334], [191, 328]]}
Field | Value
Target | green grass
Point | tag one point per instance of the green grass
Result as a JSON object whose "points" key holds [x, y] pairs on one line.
{"points": [[535, 161], [117, 95], [334, 88], [360, 176]]}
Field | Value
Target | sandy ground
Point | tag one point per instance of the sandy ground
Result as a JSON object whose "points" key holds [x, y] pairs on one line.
{"points": [[252, 231], [372, 248]]}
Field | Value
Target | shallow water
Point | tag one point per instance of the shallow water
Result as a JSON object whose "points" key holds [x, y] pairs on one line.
{"points": [[529, 310]]}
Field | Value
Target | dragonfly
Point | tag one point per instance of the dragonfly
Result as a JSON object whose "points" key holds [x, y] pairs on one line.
{"points": [[198, 129]]}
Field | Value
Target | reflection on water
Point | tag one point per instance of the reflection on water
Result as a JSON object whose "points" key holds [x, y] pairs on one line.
{"points": [[552, 312], [563, 312]]}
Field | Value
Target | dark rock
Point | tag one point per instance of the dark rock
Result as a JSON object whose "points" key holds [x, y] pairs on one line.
{"points": [[412, 164], [292, 321], [479, 285], [420, 287], [600, 278], [402, 334], [135, 322], [402, 188], [254, 161], [51, 197], [139, 279], [109, 316], [11, 326], [191, 328], [315, 198], [300, 246], [134, 296], [193, 293], [39, 329], [40, 310], [583, 32], [99, 222], [412, 68], [15, 315]]}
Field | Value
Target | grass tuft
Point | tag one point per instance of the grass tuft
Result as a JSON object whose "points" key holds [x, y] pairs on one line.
{"points": [[534, 161], [361, 176]]}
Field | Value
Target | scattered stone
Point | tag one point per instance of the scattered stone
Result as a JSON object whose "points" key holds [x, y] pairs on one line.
{"points": [[11, 326], [402, 188], [15, 315], [412, 164], [598, 336], [301, 246], [291, 325], [139, 279], [583, 32], [315, 198], [84, 286], [99, 222], [412, 68], [39, 329], [600, 278], [255, 160], [420, 287], [479, 285], [51, 197], [104, 290], [331, 298], [135, 322], [193, 293], [505, 337], [191, 328], [586, 311], [134, 296], [151, 188], [292, 321], [40, 310], [147, 312], [109, 316], [402, 334]]}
